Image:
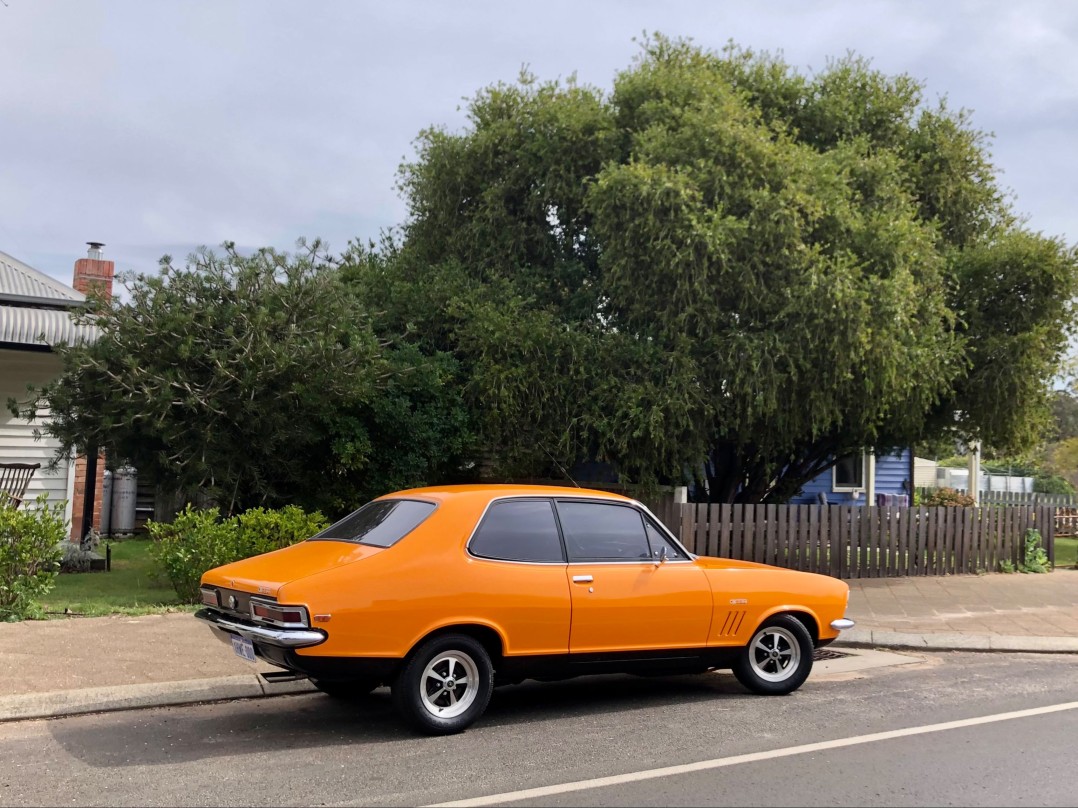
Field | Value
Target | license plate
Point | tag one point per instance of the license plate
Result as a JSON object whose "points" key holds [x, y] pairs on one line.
{"points": [[243, 647]]}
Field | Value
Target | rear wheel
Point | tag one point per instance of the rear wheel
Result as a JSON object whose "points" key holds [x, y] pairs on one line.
{"points": [[348, 690], [778, 658], [445, 685]]}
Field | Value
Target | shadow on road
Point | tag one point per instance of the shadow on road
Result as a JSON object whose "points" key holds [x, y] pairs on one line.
{"points": [[292, 723]]}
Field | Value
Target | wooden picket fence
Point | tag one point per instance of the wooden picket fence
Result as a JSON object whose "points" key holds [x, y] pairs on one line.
{"points": [[1066, 522], [1014, 497], [863, 542]]}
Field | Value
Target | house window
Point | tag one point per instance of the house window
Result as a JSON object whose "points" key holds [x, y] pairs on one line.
{"points": [[848, 474]]}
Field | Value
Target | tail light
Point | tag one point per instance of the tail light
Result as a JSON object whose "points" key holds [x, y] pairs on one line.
{"points": [[209, 597], [277, 614]]}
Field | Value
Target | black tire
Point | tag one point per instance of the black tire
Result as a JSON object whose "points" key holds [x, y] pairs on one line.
{"points": [[349, 690], [420, 692], [778, 658]]}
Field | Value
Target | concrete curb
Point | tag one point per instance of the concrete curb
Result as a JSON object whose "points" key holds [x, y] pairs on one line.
{"points": [[955, 641], [153, 694]]}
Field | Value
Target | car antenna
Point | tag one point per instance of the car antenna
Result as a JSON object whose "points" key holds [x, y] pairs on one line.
{"points": [[560, 466]]}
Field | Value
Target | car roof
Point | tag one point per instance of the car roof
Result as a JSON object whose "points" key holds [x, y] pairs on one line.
{"points": [[493, 491]]}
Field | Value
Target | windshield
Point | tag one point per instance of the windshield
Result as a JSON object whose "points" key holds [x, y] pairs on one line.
{"points": [[382, 523]]}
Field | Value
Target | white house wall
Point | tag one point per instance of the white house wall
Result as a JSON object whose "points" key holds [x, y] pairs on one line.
{"points": [[17, 442], [924, 472]]}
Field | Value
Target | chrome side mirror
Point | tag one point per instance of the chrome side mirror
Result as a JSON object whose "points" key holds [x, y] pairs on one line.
{"points": [[662, 556]]}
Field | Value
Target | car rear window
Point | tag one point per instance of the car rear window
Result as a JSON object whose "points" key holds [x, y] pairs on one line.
{"points": [[382, 523]]}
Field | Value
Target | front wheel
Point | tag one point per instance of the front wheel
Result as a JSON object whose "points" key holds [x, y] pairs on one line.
{"points": [[445, 685], [777, 659]]}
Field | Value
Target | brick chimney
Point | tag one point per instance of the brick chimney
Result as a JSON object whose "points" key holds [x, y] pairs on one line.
{"points": [[94, 272], [91, 272]]}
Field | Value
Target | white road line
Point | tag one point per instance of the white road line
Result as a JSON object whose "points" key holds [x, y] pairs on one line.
{"points": [[716, 763]]}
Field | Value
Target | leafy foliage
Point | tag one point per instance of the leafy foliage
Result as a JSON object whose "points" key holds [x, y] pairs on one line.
{"points": [[1048, 483], [199, 540], [1064, 416], [946, 497], [722, 268], [1034, 558], [258, 379], [30, 552], [1064, 456]]}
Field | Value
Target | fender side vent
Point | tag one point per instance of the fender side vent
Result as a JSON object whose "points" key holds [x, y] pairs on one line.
{"points": [[732, 624]]}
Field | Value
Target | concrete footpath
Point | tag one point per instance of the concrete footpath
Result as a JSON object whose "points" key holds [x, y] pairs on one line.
{"points": [[79, 665]]}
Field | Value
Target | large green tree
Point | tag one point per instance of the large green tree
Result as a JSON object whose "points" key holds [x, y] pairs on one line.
{"points": [[724, 266], [258, 379]]}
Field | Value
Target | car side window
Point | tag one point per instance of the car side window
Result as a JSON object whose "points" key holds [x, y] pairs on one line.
{"points": [[657, 539], [601, 531], [519, 530]]}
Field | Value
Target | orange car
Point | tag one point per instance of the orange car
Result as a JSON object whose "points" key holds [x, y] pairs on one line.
{"points": [[444, 593]]}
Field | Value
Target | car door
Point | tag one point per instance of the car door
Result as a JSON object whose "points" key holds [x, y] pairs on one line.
{"points": [[515, 577], [624, 597]]}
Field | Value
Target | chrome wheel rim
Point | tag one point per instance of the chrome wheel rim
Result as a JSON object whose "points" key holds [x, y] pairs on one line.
{"points": [[449, 684], [775, 654]]}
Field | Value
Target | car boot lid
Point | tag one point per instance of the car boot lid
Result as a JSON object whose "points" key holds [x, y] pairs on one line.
{"points": [[266, 574]]}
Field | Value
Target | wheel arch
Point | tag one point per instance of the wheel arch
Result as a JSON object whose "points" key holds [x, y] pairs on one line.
{"points": [[805, 615], [486, 635]]}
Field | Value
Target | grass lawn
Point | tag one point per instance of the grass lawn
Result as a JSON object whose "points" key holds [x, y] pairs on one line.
{"points": [[1066, 552], [136, 585]]}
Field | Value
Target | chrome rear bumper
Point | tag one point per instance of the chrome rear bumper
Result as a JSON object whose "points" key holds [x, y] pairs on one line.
{"points": [[280, 637], [842, 624]]}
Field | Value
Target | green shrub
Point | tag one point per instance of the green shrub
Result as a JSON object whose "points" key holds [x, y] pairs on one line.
{"points": [[29, 554], [191, 544], [199, 540], [1046, 483], [261, 530], [947, 496], [1034, 558]]}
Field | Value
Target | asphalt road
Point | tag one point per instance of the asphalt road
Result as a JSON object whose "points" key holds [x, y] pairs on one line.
{"points": [[726, 746]]}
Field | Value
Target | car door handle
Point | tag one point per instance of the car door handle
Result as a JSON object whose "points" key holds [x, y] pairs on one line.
{"points": [[582, 579]]}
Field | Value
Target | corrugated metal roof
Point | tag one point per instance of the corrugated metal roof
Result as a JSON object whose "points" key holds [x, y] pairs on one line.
{"points": [[36, 310], [22, 280], [24, 325]]}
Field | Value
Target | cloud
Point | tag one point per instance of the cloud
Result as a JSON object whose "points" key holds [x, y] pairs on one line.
{"points": [[156, 128]]}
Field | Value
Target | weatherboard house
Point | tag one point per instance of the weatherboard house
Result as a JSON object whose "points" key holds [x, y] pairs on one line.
{"points": [[36, 314], [863, 479]]}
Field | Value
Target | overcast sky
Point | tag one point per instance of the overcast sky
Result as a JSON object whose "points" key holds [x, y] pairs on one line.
{"points": [[157, 127]]}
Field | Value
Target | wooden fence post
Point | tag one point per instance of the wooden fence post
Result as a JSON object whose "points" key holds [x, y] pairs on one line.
{"points": [[726, 513], [759, 540], [688, 515]]}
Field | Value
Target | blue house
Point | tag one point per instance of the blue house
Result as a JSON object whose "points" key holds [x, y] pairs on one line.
{"points": [[861, 479]]}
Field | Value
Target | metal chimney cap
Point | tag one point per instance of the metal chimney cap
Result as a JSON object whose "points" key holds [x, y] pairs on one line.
{"points": [[95, 249]]}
